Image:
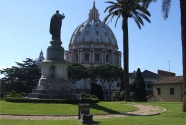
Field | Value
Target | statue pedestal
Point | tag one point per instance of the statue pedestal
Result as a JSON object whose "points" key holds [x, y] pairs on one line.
{"points": [[54, 76], [54, 80]]}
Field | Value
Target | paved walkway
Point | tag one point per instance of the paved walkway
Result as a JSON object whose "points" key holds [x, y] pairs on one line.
{"points": [[143, 110]]}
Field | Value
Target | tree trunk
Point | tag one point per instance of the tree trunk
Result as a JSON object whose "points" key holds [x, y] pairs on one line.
{"points": [[126, 57], [183, 37]]}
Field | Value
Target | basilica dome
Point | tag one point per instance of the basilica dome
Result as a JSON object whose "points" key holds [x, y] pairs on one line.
{"points": [[93, 43], [93, 30]]}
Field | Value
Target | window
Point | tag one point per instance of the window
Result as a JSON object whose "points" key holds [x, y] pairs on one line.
{"points": [[76, 58], [158, 91], [171, 91], [97, 33], [107, 58], [96, 57], [86, 57]]}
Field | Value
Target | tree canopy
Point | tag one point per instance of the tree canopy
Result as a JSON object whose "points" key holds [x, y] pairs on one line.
{"points": [[77, 72], [107, 74], [21, 78]]}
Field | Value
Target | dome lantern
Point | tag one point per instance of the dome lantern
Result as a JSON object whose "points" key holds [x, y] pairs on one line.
{"points": [[94, 15]]}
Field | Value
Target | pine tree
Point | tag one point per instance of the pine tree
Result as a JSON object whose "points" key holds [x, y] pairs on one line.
{"points": [[139, 86]]}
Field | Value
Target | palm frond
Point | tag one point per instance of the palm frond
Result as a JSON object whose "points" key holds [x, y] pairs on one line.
{"points": [[145, 17], [165, 8], [112, 9], [138, 24], [111, 2], [108, 8], [117, 19], [111, 15], [146, 3]]}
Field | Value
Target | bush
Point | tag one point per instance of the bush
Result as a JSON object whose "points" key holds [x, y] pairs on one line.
{"points": [[118, 96], [13, 94], [84, 95], [133, 96]]}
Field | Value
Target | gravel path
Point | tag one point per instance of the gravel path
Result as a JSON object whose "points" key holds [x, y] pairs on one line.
{"points": [[143, 110]]}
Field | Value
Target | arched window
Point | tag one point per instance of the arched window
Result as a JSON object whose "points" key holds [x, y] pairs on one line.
{"points": [[86, 57], [96, 57]]}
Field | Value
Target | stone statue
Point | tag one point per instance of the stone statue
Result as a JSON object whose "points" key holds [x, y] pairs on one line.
{"points": [[55, 25]]}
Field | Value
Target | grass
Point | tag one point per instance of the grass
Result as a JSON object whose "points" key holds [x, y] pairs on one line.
{"points": [[61, 109], [172, 116]]}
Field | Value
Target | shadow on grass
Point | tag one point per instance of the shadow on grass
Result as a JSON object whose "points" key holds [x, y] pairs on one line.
{"points": [[98, 107], [133, 114]]}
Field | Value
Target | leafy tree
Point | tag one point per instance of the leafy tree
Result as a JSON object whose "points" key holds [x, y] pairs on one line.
{"points": [[107, 74], [92, 75], [138, 86], [22, 78], [127, 9], [77, 72], [97, 91], [121, 79]]}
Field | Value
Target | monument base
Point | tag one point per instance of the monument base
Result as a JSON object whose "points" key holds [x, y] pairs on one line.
{"points": [[51, 88], [54, 83]]}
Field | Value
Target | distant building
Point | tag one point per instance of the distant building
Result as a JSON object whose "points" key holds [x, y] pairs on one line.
{"points": [[40, 59], [167, 89], [149, 77]]}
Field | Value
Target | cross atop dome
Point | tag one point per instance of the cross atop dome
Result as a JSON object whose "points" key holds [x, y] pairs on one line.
{"points": [[94, 15]]}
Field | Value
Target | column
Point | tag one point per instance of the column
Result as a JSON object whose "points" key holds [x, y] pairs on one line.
{"points": [[78, 55], [103, 56], [93, 56], [70, 56], [90, 57], [119, 56], [113, 57], [81, 55]]}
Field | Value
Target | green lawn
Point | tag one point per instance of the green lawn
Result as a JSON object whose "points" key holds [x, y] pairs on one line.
{"points": [[62, 109], [172, 116]]}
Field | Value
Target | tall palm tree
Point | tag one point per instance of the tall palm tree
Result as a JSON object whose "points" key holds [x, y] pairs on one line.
{"points": [[127, 9], [183, 37], [165, 10]]}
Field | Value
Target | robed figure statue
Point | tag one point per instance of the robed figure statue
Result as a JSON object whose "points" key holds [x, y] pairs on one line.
{"points": [[55, 25]]}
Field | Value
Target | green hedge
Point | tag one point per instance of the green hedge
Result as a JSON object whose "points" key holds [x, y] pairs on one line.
{"points": [[26, 100]]}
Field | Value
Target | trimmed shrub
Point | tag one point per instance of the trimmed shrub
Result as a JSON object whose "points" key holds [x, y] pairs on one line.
{"points": [[84, 95]]}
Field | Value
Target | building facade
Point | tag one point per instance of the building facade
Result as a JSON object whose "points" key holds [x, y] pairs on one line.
{"points": [[167, 89]]}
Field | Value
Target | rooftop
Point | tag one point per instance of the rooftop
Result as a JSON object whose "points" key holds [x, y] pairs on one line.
{"points": [[170, 80]]}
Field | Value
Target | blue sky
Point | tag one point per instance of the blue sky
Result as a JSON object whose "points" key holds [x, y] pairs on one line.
{"points": [[24, 31]]}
